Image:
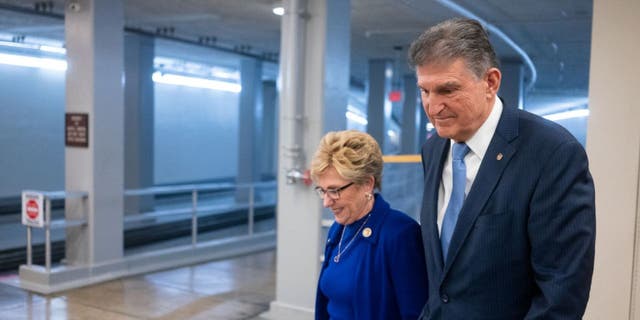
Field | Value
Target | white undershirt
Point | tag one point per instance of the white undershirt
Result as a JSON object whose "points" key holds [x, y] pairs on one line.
{"points": [[478, 145]]}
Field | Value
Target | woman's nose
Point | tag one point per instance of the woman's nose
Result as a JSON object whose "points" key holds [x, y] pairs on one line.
{"points": [[326, 201]]}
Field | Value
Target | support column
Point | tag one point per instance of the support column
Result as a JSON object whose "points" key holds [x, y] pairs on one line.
{"points": [[378, 106], [269, 134], [139, 113], [314, 70], [512, 84], [422, 127], [250, 105], [408, 144], [614, 115], [94, 41]]}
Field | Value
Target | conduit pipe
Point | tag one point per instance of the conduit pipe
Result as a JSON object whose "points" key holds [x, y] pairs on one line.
{"points": [[292, 69], [494, 30]]}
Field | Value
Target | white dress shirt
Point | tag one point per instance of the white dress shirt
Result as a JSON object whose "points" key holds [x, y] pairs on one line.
{"points": [[478, 145]]}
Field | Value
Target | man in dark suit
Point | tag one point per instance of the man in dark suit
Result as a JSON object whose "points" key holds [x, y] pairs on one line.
{"points": [[508, 217]]}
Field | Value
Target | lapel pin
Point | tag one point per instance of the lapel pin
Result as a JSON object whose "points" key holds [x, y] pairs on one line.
{"points": [[499, 156], [366, 232]]}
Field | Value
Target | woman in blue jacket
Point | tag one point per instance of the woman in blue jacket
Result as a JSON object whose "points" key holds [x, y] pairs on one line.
{"points": [[374, 265]]}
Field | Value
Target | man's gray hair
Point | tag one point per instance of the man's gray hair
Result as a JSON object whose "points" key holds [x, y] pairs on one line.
{"points": [[453, 39]]}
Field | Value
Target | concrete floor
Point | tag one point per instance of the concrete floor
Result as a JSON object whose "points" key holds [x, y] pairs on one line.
{"points": [[237, 288]]}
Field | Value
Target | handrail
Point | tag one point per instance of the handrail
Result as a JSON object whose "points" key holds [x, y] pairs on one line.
{"points": [[55, 224], [194, 189], [58, 195], [402, 158], [179, 211], [189, 187]]}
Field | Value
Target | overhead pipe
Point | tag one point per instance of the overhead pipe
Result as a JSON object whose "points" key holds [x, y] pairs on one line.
{"points": [[292, 69], [494, 30]]}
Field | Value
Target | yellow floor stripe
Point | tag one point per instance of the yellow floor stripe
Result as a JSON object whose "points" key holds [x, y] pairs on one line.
{"points": [[402, 158]]}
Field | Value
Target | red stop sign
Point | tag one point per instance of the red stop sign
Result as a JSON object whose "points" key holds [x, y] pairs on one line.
{"points": [[32, 209]]}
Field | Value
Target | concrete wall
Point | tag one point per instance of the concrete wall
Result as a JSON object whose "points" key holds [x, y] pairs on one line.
{"points": [[31, 129], [195, 132]]}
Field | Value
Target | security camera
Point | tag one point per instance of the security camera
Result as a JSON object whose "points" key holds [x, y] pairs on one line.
{"points": [[73, 5]]}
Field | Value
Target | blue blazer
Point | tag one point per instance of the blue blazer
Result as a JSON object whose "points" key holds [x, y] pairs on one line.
{"points": [[391, 280], [523, 246]]}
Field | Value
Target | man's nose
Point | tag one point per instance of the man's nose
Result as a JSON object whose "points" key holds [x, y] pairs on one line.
{"points": [[432, 105]]}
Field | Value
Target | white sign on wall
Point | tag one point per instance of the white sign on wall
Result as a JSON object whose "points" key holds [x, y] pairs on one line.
{"points": [[32, 209]]}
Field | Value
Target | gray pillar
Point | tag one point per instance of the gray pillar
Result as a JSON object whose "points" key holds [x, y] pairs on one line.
{"points": [[613, 146], [268, 154], [314, 70], [332, 93], [422, 128], [408, 142], [248, 127], [378, 106], [94, 40], [139, 112], [512, 85]]}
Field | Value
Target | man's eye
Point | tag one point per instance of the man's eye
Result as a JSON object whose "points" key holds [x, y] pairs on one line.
{"points": [[446, 91]]}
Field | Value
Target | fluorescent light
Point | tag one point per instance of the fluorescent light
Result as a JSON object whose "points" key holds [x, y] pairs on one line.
{"points": [[43, 48], [33, 62], [194, 82], [278, 11], [223, 74], [568, 114], [52, 49], [18, 45], [391, 133], [356, 118]]}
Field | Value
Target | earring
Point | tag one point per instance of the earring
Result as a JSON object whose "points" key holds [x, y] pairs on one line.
{"points": [[368, 196]]}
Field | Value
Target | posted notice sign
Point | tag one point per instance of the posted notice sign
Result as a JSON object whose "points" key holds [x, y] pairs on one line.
{"points": [[76, 130], [32, 209]]}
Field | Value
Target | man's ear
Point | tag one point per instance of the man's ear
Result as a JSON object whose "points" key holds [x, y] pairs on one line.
{"points": [[493, 77]]}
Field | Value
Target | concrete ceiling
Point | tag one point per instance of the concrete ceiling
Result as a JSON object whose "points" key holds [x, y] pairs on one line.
{"points": [[555, 34]]}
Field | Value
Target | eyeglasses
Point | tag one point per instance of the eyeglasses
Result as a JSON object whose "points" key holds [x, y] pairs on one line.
{"points": [[334, 194]]}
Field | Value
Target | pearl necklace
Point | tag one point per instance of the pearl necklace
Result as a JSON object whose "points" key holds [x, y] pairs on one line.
{"points": [[340, 251]]}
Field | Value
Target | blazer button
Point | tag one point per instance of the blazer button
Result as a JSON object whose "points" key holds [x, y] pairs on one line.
{"points": [[444, 297]]}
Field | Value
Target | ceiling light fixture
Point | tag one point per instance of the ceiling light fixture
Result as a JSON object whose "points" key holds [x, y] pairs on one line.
{"points": [[278, 9], [52, 49], [356, 118], [34, 46], [33, 62]]}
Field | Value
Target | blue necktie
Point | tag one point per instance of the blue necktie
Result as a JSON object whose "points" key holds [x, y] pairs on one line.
{"points": [[460, 149]]}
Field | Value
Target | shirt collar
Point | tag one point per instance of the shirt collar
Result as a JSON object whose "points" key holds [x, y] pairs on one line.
{"points": [[479, 142]]}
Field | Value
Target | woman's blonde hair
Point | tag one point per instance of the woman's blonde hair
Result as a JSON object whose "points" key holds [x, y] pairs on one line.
{"points": [[355, 155]]}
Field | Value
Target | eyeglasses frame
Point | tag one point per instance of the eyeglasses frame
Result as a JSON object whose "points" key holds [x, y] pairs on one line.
{"points": [[321, 192]]}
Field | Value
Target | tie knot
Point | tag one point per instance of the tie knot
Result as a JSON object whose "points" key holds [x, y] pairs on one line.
{"points": [[460, 149]]}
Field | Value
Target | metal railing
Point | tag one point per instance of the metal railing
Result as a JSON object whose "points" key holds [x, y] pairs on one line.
{"points": [[53, 224], [195, 190]]}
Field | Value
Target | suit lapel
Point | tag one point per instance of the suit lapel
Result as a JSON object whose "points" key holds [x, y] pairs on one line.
{"points": [[433, 177], [496, 159]]}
